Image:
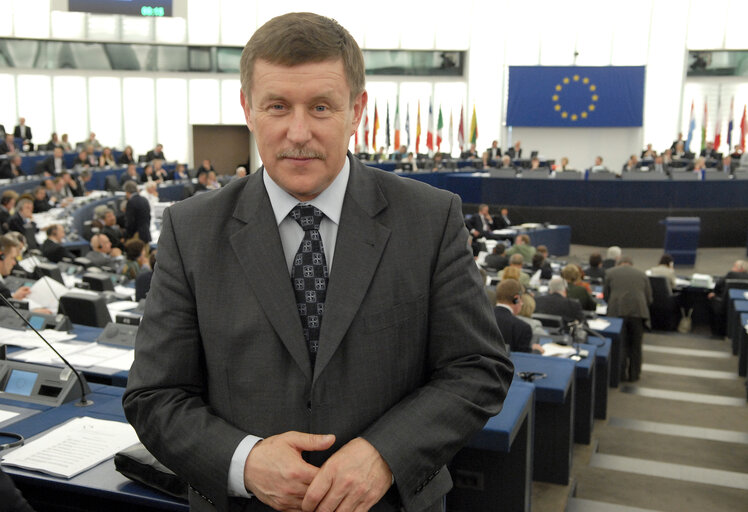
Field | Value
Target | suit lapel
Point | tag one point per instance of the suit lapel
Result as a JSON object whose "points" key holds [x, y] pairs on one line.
{"points": [[259, 250], [358, 248]]}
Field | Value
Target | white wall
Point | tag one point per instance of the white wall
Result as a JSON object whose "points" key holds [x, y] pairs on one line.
{"points": [[497, 33]]}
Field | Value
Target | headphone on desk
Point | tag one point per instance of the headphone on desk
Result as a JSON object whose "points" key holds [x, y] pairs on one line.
{"points": [[19, 440]]}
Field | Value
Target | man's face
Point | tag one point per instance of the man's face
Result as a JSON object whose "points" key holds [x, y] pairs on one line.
{"points": [[105, 245], [110, 219], [483, 211], [7, 264], [58, 152], [302, 119], [27, 210]]}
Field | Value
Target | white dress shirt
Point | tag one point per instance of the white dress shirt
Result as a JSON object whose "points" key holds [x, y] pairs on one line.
{"points": [[329, 202]]}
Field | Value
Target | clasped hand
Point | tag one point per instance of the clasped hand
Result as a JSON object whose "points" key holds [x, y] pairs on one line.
{"points": [[352, 480]]}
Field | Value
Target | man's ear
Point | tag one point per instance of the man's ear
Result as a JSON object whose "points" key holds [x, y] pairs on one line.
{"points": [[247, 108]]}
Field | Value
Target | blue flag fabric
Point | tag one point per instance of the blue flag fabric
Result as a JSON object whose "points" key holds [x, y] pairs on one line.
{"points": [[567, 96]]}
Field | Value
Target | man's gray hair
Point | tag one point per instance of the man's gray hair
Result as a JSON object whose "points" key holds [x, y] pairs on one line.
{"points": [[557, 285]]}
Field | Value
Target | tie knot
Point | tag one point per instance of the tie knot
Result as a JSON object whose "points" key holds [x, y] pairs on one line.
{"points": [[307, 216]]}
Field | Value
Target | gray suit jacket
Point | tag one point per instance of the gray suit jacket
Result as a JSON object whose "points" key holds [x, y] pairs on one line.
{"points": [[627, 292], [410, 357]]}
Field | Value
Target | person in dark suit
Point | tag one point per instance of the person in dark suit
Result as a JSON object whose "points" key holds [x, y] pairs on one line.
{"points": [[718, 297], [52, 248], [7, 203], [41, 200], [629, 294], [612, 257], [10, 249], [157, 152], [23, 132], [517, 333], [709, 152], [539, 262], [515, 152], [22, 218], [403, 368], [130, 174], [497, 259], [53, 165], [595, 270], [137, 214], [557, 303], [11, 497], [502, 221], [11, 167], [127, 157]]}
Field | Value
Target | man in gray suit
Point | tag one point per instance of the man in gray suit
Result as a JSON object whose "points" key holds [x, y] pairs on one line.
{"points": [[628, 293], [261, 404]]}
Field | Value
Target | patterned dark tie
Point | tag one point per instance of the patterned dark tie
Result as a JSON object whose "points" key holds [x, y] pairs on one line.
{"points": [[309, 275]]}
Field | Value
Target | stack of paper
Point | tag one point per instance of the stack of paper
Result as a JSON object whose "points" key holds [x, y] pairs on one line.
{"points": [[73, 447]]}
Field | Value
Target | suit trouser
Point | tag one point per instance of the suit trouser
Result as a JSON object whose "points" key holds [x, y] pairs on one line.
{"points": [[631, 362]]}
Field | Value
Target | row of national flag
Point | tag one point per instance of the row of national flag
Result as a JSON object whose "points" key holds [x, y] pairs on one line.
{"points": [[718, 128], [434, 130]]}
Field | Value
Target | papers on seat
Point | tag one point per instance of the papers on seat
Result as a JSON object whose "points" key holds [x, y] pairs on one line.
{"points": [[598, 324], [680, 282], [702, 281], [125, 290], [73, 447], [601, 309]]}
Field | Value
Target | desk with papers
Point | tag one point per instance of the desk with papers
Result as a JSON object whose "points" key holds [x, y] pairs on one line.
{"points": [[99, 488], [611, 327]]}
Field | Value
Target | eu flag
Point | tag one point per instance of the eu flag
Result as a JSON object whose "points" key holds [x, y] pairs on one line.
{"points": [[575, 96]]}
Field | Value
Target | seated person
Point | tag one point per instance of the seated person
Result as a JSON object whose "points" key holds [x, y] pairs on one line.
{"points": [[557, 303], [7, 204], [10, 249], [631, 164], [105, 221], [525, 314], [136, 254], [516, 333], [540, 262], [102, 254], [52, 248], [497, 259], [522, 246], [574, 290], [612, 257], [20, 220], [506, 163], [180, 173], [595, 271], [665, 269], [130, 174], [514, 271], [718, 297], [81, 161], [598, 166], [127, 157], [106, 159], [159, 172], [202, 182]]}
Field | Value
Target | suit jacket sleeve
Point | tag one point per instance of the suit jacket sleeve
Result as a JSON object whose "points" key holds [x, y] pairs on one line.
{"points": [[465, 347], [173, 400]]}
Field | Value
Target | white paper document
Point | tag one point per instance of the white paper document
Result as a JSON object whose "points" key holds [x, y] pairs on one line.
{"points": [[598, 324], [73, 447], [556, 350], [46, 292], [125, 290], [29, 339]]}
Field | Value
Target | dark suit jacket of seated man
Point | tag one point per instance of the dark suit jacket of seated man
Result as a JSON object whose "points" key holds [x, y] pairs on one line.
{"points": [[410, 363], [556, 303]]}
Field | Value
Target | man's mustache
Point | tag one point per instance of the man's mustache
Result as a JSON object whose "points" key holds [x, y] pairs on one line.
{"points": [[301, 153]]}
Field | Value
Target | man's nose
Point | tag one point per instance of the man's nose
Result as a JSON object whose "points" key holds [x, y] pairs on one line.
{"points": [[299, 130]]}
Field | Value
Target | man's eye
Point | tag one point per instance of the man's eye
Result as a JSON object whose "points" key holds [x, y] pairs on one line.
{"points": [[276, 107], [320, 108]]}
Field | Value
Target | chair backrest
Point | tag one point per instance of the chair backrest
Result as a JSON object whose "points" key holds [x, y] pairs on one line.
{"points": [[569, 175], [502, 173], [685, 176], [600, 176], [660, 289], [539, 173], [642, 176], [111, 183], [741, 284], [553, 321]]}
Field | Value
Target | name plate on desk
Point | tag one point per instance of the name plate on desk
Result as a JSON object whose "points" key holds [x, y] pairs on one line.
{"points": [[38, 384]]}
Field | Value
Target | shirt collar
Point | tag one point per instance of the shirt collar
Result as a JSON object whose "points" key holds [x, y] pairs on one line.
{"points": [[505, 306], [329, 202]]}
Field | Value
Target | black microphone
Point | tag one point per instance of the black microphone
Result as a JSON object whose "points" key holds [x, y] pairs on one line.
{"points": [[83, 401]]}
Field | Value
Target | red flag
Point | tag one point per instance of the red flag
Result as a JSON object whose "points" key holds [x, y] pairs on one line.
{"points": [[743, 130], [718, 131], [461, 132]]}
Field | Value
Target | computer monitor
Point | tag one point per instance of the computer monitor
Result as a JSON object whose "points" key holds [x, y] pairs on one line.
{"points": [[85, 309]]}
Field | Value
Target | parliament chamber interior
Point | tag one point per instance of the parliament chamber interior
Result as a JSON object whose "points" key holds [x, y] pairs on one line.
{"points": [[599, 156]]}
